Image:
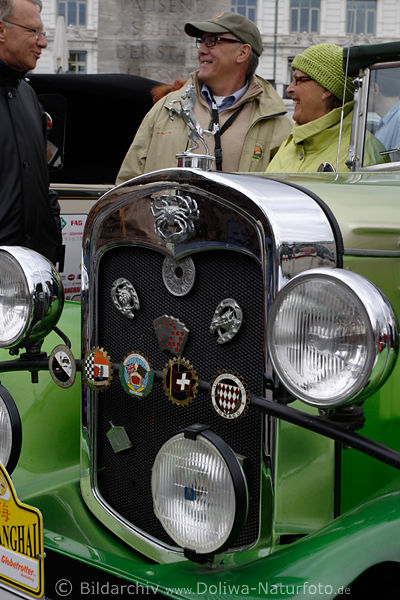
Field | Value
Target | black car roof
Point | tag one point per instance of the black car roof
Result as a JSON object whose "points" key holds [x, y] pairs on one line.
{"points": [[103, 114], [368, 54]]}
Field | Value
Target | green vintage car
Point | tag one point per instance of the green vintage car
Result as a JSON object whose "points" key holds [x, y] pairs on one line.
{"points": [[219, 417]]}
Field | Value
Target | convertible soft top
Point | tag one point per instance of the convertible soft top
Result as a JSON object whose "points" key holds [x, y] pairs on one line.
{"points": [[103, 113], [364, 55]]}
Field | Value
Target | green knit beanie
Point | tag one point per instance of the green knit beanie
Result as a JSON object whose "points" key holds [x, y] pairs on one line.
{"points": [[323, 63]]}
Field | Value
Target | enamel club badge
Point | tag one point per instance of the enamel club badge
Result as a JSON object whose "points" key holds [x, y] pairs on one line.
{"points": [[229, 395], [97, 369], [62, 366], [136, 375], [180, 381]]}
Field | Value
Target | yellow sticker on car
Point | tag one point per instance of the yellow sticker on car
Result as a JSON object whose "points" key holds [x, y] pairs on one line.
{"points": [[21, 542]]}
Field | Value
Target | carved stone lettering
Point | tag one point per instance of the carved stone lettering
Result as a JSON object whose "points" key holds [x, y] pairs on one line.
{"points": [[146, 37]]}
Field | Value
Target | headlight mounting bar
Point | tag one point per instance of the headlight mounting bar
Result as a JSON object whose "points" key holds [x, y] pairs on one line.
{"points": [[281, 411]]}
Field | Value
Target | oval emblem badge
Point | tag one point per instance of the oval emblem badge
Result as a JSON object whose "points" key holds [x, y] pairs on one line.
{"points": [[136, 375]]}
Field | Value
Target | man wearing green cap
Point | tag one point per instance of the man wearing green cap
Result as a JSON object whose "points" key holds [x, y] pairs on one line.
{"points": [[320, 92], [249, 116]]}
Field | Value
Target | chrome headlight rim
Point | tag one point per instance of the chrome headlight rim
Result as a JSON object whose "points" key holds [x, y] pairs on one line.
{"points": [[239, 484], [382, 334], [45, 296], [16, 428]]}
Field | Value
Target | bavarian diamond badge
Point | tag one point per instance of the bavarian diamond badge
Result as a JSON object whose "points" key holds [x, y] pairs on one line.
{"points": [[171, 334], [97, 369], [62, 366], [136, 375], [180, 381], [229, 395], [227, 320]]}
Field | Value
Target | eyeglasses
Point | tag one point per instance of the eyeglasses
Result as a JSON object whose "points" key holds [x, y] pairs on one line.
{"points": [[211, 41], [300, 79], [36, 32]]}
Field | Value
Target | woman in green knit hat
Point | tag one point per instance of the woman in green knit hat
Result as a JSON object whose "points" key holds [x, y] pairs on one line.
{"points": [[319, 89]]}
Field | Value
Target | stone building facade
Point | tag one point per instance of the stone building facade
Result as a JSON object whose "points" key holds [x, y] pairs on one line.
{"points": [[146, 37], [140, 37], [81, 34]]}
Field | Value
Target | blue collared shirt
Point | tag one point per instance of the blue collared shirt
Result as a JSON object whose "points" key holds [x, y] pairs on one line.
{"points": [[228, 101]]}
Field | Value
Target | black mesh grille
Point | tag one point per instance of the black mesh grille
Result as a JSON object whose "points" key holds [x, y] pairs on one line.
{"points": [[124, 478]]}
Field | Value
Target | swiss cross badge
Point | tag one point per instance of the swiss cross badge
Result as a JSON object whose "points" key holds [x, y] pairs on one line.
{"points": [[229, 395], [180, 381], [171, 334]]}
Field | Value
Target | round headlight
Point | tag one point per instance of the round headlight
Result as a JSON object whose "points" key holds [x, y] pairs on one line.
{"points": [[332, 337], [10, 431], [199, 492], [31, 297]]}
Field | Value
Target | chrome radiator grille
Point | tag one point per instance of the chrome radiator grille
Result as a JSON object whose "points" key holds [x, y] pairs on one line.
{"points": [[123, 479]]}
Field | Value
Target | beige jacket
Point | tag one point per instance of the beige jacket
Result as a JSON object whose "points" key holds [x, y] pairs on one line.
{"points": [[247, 145]]}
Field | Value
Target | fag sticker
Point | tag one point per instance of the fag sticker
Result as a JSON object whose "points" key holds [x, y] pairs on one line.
{"points": [[21, 542]]}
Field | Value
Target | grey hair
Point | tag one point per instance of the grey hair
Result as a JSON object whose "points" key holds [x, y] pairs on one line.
{"points": [[7, 7], [251, 65]]}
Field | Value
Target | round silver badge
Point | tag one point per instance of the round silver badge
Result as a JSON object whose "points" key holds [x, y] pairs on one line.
{"points": [[178, 275]]}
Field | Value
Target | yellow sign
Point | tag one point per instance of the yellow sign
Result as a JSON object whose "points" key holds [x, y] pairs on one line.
{"points": [[21, 542]]}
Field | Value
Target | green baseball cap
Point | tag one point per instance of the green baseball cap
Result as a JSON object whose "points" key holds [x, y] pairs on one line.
{"points": [[245, 30]]}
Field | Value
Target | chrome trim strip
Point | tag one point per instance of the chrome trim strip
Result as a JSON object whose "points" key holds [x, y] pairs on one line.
{"points": [[380, 253]]}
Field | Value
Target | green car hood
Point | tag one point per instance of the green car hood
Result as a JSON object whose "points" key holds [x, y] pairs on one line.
{"points": [[366, 206]]}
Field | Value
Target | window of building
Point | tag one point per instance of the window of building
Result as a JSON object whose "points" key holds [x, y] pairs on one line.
{"points": [[304, 16], [247, 8], [289, 77], [361, 16], [73, 11], [77, 61]]}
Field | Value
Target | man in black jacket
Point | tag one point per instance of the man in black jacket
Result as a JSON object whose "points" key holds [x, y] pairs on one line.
{"points": [[29, 212]]}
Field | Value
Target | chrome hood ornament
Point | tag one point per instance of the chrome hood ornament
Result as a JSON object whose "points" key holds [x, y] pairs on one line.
{"points": [[196, 132]]}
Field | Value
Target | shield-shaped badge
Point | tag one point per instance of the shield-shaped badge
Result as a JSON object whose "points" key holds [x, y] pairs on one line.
{"points": [[180, 381], [171, 333], [136, 375]]}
